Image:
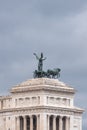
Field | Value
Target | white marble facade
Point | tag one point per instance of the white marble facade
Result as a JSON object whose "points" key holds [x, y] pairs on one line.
{"points": [[40, 104]]}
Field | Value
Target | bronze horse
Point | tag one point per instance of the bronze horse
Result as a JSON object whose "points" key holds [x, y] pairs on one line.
{"points": [[53, 73], [49, 74]]}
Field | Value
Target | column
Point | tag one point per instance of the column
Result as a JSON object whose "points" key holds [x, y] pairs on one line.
{"points": [[18, 123], [60, 123], [43, 121], [54, 122], [31, 122], [48, 117], [38, 122], [25, 123], [4, 124], [67, 123]]}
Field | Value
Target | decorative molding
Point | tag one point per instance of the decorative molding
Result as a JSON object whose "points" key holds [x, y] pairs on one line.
{"points": [[44, 109]]}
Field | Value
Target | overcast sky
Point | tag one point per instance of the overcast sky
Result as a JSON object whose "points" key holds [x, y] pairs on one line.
{"points": [[58, 28]]}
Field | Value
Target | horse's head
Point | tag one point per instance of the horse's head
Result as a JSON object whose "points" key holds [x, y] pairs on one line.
{"points": [[57, 69]]}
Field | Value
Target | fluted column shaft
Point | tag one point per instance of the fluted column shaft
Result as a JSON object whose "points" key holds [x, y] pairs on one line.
{"points": [[38, 122], [31, 122], [18, 123], [67, 123], [60, 123], [25, 123], [48, 122], [54, 123]]}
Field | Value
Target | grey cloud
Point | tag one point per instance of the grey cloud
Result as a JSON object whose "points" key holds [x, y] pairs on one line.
{"points": [[61, 7]]}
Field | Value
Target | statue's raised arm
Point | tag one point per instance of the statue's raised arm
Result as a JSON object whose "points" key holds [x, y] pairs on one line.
{"points": [[36, 56]]}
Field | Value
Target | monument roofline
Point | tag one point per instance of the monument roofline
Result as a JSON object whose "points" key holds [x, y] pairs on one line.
{"points": [[42, 83]]}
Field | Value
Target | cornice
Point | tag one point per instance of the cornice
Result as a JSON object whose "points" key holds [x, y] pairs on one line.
{"points": [[42, 87], [44, 109]]}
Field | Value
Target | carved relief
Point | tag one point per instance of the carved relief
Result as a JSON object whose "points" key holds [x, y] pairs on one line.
{"points": [[63, 101], [58, 101], [27, 101], [34, 100], [51, 100], [20, 101]]}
